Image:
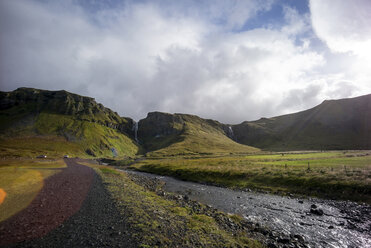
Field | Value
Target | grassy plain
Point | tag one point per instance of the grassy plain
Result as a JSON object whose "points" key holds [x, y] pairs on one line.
{"points": [[338, 175], [160, 222], [21, 180]]}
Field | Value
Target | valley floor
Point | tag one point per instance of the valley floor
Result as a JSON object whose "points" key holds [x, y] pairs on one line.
{"points": [[101, 207], [90, 205], [344, 175]]}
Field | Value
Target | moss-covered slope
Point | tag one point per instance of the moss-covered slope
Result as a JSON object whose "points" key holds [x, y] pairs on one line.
{"points": [[334, 124], [181, 134], [58, 122]]}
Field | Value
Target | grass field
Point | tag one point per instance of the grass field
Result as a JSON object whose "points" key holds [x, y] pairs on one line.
{"points": [[21, 180], [338, 175]]}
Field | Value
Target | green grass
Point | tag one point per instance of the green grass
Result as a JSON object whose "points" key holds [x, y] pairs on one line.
{"points": [[89, 135], [159, 222], [56, 135], [106, 170], [32, 146], [22, 179], [294, 156], [336, 175]]}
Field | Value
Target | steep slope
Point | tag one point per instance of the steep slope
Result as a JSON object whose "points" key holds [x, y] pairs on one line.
{"points": [[58, 122], [182, 134], [334, 124]]}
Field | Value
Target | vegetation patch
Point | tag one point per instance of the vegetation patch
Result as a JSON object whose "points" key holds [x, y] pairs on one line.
{"points": [[107, 170], [338, 175], [160, 222]]}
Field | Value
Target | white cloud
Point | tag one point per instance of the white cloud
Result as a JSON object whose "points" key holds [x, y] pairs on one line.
{"points": [[343, 25], [173, 56]]}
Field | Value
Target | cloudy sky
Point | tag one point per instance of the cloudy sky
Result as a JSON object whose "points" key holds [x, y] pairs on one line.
{"points": [[229, 60]]}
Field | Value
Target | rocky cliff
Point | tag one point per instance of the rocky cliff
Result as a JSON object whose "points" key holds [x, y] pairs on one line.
{"points": [[34, 113]]}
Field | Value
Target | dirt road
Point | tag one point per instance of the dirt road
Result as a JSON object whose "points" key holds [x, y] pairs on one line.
{"points": [[73, 209]]}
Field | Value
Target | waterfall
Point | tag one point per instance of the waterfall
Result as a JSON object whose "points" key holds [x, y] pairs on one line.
{"points": [[135, 129], [231, 134], [114, 152]]}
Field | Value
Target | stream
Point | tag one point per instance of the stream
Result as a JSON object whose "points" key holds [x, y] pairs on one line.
{"points": [[343, 223]]}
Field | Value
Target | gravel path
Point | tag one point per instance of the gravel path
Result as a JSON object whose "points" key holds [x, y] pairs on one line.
{"points": [[96, 223]]}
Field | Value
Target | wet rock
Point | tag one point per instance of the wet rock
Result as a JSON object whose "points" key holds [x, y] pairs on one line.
{"points": [[299, 237], [315, 211], [272, 245], [313, 206], [283, 240], [301, 201]]}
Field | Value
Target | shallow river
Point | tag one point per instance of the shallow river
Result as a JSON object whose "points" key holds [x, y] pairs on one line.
{"points": [[343, 224]]}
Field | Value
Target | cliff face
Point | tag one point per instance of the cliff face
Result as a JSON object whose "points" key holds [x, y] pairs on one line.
{"points": [[174, 134], [158, 124], [35, 101], [79, 119]]}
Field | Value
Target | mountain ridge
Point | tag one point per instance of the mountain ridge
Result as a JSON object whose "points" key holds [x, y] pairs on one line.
{"points": [[344, 123], [99, 131]]}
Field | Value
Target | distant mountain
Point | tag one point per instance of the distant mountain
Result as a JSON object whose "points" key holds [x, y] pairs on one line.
{"points": [[183, 134], [334, 124], [57, 122], [34, 121]]}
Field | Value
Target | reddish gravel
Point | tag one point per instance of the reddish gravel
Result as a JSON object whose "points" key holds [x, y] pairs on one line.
{"points": [[61, 197]]}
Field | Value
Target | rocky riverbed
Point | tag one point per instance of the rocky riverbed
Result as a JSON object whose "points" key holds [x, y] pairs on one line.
{"points": [[278, 221], [264, 234]]}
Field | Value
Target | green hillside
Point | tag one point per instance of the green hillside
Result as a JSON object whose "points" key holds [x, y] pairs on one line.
{"points": [[36, 121], [334, 124], [180, 134]]}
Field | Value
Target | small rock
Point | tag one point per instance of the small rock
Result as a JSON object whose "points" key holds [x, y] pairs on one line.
{"points": [[331, 227], [299, 237], [315, 211], [283, 240], [301, 202], [313, 206]]}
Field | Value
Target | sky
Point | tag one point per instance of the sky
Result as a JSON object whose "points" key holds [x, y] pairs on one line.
{"points": [[228, 60]]}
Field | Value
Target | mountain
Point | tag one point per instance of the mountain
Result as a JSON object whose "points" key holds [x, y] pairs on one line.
{"points": [[34, 121], [334, 124], [183, 134]]}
